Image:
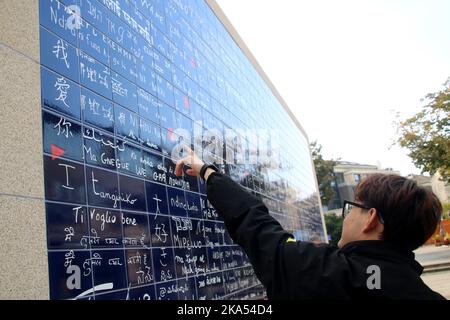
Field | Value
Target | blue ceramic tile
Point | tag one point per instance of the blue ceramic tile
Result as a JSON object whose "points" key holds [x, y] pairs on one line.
{"points": [[193, 205], [209, 121], [64, 181], [173, 32], [233, 279], [191, 67], [146, 78], [192, 89], [215, 258], [124, 92], [146, 51], [169, 45], [58, 18], [160, 230], [154, 10], [167, 290], [62, 137], [179, 58], [200, 260], [172, 14], [181, 227], [164, 264], [129, 159], [190, 262], [132, 193], [109, 267], [127, 123], [154, 167], [123, 61], [102, 188], [229, 262], [211, 239], [97, 110], [210, 286], [184, 263], [142, 293], [95, 75], [94, 12], [139, 267], [70, 3], [182, 102], [203, 79], [178, 78], [221, 231], [135, 230], [67, 225], [156, 198], [165, 91], [150, 135], [197, 233], [148, 106], [186, 289], [176, 202], [238, 255], [99, 149], [160, 43], [60, 94], [93, 42], [115, 295], [168, 117], [186, 124], [139, 22], [162, 66], [121, 34], [169, 141], [70, 274], [58, 55], [105, 228]]}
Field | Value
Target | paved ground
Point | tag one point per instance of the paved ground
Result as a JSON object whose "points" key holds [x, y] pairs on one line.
{"points": [[431, 255], [438, 281]]}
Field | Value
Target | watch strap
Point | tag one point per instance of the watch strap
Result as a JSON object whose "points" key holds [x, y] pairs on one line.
{"points": [[205, 167]]}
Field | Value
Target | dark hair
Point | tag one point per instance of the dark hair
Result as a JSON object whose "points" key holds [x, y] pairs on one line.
{"points": [[411, 213]]}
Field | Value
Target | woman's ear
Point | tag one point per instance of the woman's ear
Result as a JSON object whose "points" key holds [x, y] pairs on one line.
{"points": [[372, 221]]}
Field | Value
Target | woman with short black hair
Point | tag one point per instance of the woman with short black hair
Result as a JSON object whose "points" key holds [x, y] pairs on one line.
{"points": [[390, 217]]}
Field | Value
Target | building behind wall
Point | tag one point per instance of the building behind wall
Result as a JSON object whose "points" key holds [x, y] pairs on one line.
{"points": [[435, 184], [93, 94], [347, 176]]}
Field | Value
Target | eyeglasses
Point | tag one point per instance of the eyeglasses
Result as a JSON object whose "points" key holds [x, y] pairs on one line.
{"points": [[348, 206]]}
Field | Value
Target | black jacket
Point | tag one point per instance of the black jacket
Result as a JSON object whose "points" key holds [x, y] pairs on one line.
{"points": [[303, 270]]}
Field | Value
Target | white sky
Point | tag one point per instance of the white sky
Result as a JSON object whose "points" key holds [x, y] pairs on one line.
{"points": [[344, 66]]}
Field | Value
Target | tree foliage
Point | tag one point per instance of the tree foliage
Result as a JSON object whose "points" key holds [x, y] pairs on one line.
{"points": [[334, 227], [427, 134], [324, 173]]}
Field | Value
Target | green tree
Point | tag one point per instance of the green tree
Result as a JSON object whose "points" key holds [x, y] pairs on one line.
{"points": [[427, 134], [324, 173], [334, 227], [446, 210]]}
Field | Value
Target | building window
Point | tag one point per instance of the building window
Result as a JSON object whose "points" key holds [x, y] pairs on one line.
{"points": [[339, 177], [357, 177]]}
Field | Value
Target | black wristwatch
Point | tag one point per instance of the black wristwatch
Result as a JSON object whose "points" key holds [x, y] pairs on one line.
{"points": [[206, 166]]}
